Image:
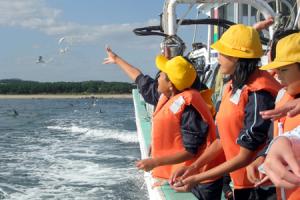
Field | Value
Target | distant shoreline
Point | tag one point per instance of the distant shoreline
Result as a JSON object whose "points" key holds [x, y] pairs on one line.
{"points": [[66, 96]]}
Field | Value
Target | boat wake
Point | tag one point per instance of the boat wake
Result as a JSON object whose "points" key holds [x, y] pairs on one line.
{"points": [[120, 135]]}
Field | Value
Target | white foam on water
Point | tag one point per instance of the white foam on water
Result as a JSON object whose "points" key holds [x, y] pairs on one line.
{"points": [[83, 172], [72, 129], [72, 158], [3, 194], [121, 135], [66, 178]]}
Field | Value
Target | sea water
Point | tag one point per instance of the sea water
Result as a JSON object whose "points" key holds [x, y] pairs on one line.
{"points": [[69, 149]]}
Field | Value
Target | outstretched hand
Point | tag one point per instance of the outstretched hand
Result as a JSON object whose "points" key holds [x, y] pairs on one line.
{"points": [[291, 109], [182, 173], [253, 173], [281, 164], [146, 164], [185, 185], [263, 24], [111, 56], [177, 174]]}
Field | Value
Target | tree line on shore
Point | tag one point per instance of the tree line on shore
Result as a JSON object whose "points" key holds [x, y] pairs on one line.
{"points": [[17, 86]]}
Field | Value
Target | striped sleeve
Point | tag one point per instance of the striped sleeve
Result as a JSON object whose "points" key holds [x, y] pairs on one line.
{"points": [[255, 131], [263, 152]]}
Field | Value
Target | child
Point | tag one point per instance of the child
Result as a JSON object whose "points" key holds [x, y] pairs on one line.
{"points": [[241, 129], [182, 125], [287, 65], [284, 153], [252, 170]]}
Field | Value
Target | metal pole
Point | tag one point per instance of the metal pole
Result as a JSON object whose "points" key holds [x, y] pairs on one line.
{"points": [[236, 12], [196, 28], [249, 15], [277, 7], [298, 10]]}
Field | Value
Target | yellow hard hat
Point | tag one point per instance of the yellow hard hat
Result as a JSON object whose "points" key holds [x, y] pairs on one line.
{"points": [[239, 41], [287, 52], [180, 72]]}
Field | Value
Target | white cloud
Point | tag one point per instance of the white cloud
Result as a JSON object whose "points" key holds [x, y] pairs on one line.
{"points": [[29, 13], [85, 57], [34, 14]]}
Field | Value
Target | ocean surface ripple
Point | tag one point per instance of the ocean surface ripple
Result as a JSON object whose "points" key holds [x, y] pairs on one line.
{"points": [[69, 149]]}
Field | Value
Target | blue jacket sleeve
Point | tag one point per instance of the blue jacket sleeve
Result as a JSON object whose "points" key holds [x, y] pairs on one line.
{"points": [[269, 139], [255, 131], [148, 88], [194, 130]]}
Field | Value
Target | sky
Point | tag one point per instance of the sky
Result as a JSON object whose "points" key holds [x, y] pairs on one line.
{"points": [[33, 28]]}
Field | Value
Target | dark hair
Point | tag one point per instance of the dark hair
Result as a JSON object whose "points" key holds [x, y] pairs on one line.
{"points": [[198, 85], [278, 35], [245, 67], [158, 74], [167, 77]]}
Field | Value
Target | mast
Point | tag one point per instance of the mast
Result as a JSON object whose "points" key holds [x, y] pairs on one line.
{"points": [[298, 10]]}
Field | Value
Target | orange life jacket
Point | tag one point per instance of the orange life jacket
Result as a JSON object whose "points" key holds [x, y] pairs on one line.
{"points": [[166, 130], [207, 97], [230, 119], [281, 126]]}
